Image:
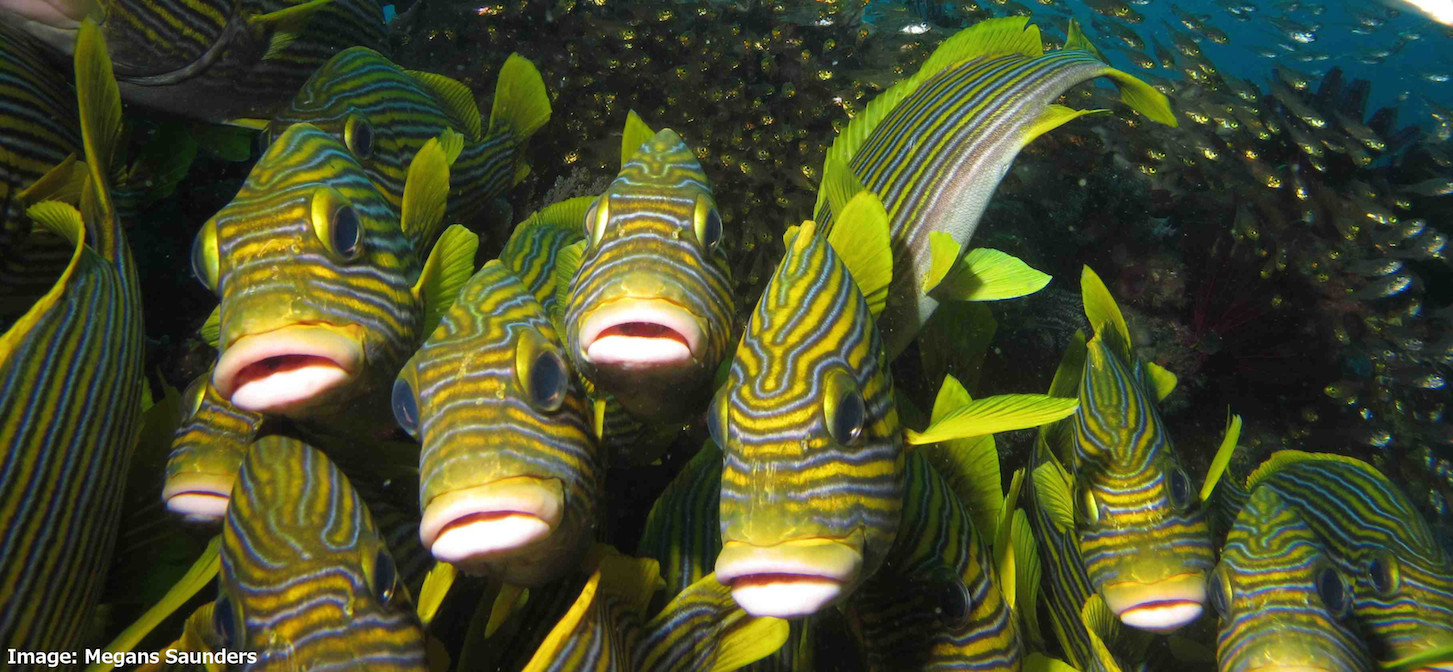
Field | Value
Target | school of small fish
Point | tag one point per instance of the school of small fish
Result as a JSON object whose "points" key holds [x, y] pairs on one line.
{"points": [[407, 451]]}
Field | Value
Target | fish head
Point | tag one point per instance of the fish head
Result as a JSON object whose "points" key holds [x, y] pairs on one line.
{"points": [[207, 451], [329, 100], [306, 580], [650, 311], [1403, 596], [813, 476], [316, 280], [508, 471], [1282, 603], [1144, 536]]}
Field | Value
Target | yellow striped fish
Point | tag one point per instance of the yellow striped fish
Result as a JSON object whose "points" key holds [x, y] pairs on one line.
{"points": [[206, 452], [307, 581], [509, 473], [324, 287], [934, 146], [1401, 577], [650, 307], [1283, 603], [1144, 536], [812, 487], [607, 628], [217, 60], [70, 397], [384, 115]]}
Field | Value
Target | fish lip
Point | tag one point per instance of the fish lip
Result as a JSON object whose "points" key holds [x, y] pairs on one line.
{"points": [[1159, 606], [680, 348], [198, 497], [792, 578], [493, 521], [330, 357]]}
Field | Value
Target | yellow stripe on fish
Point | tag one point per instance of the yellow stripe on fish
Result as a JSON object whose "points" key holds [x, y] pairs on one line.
{"points": [[70, 398], [1282, 601], [934, 146], [307, 582], [650, 309], [384, 115], [207, 451]]}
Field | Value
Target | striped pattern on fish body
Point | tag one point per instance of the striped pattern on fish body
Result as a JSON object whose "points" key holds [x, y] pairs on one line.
{"points": [[207, 451], [650, 310], [936, 605], [1402, 577], [505, 433], [306, 580], [70, 400], [934, 147], [1280, 598], [384, 115], [1144, 537], [311, 267], [813, 477]]}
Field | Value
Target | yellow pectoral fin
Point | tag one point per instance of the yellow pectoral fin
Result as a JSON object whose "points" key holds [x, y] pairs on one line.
{"points": [[449, 266], [1223, 457], [1051, 118], [436, 586], [860, 237], [943, 253], [211, 331], [426, 193], [1052, 492], [1000, 413], [1161, 380], [511, 598], [989, 275]]}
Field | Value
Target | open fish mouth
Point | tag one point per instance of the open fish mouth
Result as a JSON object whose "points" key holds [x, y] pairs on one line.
{"points": [[198, 497], [645, 333], [791, 579], [485, 523], [1160, 607], [287, 370]]}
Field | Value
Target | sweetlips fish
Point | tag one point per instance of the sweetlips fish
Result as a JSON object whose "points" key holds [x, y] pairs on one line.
{"points": [[607, 628], [650, 312], [324, 286], [1399, 576], [1282, 602], [207, 451], [70, 395], [934, 146], [215, 60], [509, 472], [385, 114], [306, 580]]}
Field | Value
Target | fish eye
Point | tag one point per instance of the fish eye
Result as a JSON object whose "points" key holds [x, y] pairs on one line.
{"points": [[358, 136], [843, 408], [385, 578], [1178, 486], [596, 218], [337, 225], [224, 623], [1383, 573], [716, 417], [1090, 512], [205, 263], [1332, 590], [708, 225], [1220, 593], [192, 398], [954, 604], [406, 408], [548, 381]]}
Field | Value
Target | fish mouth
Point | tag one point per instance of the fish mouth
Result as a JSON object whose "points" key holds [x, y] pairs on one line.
{"points": [[287, 370], [490, 522], [792, 579], [200, 498], [640, 333], [59, 14], [1161, 606]]}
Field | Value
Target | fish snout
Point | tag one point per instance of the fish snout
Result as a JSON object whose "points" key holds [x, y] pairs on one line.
{"points": [[790, 579], [290, 370], [199, 497], [475, 526], [636, 334], [1158, 606]]}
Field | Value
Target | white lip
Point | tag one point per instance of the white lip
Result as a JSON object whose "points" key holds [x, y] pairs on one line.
{"points": [[286, 369], [1162, 617], [787, 597], [609, 337], [492, 521], [198, 497], [790, 579], [1159, 606]]}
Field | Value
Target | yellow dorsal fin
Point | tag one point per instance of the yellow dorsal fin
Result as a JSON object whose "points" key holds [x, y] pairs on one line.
{"points": [[860, 238], [567, 262], [1143, 98], [1223, 456], [1102, 311], [426, 193], [635, 134], [839, 185], [1053, 117], [61, 183], [790, 235], [1162, 381], [456, 99], [521, 103], [991, 415], [449, 266], [211, 331], [436, 586], [1281, 459], [1076, 40], [452, 142], [987, 275], [286, 25]]}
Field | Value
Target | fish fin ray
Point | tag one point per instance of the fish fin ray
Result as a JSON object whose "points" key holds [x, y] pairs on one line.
{"points": [[426, 194], [1160, 379], [449, 266], [1102, 311], [860, 238], [986, 274], [990, 415], [1078, 41], [1053, 117], [521, 102], [211, 330], [98, 99], [456, 99], [635, 134]]}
